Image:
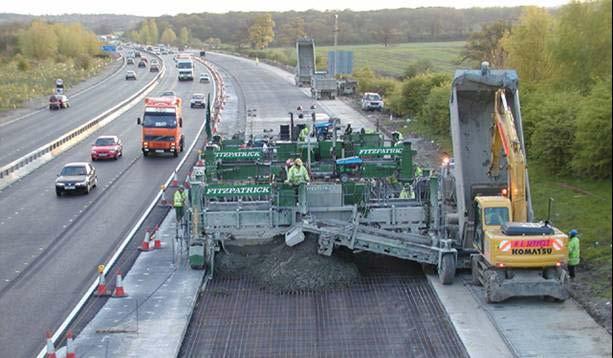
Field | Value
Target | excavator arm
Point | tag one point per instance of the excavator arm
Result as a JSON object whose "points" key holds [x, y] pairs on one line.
{"points": [[505, 140]]}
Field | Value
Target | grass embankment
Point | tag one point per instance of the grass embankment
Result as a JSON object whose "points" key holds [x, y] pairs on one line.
{"points": [[391, 60], [38, 79], [585, 205]]}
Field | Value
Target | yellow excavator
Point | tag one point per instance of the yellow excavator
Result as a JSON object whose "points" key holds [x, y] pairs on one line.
{"points": [[515, 257]]}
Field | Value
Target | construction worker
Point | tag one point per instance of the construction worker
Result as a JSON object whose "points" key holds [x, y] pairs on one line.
{"points": [[397, 138], [297, 174], [418, 171], [304, 133], [574, 252], [179, 201], [407, 192], [348, 130]]}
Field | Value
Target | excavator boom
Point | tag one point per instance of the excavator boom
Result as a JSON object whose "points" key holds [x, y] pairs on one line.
{"points": [[505, 140]]}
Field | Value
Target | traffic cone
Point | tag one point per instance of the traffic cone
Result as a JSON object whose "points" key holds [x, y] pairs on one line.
{"points": [[50, 346], [163, 201], [186, 183], [144, 246], [70, 353], [175, 180], [119, 291], [101, 289], [157, 243]]}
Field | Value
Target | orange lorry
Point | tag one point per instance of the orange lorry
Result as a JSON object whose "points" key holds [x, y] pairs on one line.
{"points": [[161, 126]]}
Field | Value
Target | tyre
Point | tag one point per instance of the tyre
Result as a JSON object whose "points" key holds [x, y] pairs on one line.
{"points": [[145, 153], [474, 265], [116, 156], [181, 143], [93, 159], [95, 182], [58, 192], [191, 106], [175, 154], [446, 270]]}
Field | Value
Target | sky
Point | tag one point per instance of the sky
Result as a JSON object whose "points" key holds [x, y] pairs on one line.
{"points": [[173, 7]]}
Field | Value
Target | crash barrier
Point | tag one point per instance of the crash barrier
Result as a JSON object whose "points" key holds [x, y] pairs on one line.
{"points": [[52, 148], [219, 98]]}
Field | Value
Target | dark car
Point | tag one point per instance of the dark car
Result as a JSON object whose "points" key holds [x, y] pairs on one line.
{"points": [[107, 147], [142, 64], [58, 101], [130, 75], [154, 68], [76, 177]]}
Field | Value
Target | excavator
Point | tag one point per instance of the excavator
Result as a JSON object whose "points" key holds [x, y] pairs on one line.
{"points": [[514, 257]]}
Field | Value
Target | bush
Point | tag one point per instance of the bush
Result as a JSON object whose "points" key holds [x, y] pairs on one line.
{"points": [[415, 91], [83, 62], [592, 147], [435, 111], [22, 64]]}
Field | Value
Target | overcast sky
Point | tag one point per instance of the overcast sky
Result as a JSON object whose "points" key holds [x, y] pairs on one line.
{"points": [[172, 7]]}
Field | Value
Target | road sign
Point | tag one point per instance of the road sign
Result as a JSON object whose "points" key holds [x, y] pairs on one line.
{"points": [[109, 48], [344, 62]]}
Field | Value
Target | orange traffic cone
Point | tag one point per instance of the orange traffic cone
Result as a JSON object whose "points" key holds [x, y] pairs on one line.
{"points": [[119, 291], [50, 346], [163, 201], [157, 243], [186, 183], [70, 353], [101, 289], [145, 244], [175, 180]]}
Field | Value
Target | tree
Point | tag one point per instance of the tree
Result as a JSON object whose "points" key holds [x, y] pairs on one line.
{"points": [[417, 68], [387, 34], [39, 41], [592, 147], [435, 111], [213, 42], [527, 45], [261, 32], [184, 36], [168, 36], [416, 90], [143, 34], [485, 44], [581, 46], [291, 31], [154, 34]]}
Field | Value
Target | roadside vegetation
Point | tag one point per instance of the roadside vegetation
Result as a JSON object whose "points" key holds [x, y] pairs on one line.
{"points": [[33, 56]]}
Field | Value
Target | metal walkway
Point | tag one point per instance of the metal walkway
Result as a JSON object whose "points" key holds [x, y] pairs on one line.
{"points": [[385, 314]]}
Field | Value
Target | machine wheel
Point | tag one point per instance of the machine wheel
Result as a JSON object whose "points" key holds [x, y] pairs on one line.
{"points": [[446, 271], [474, 266], [344, 178]]}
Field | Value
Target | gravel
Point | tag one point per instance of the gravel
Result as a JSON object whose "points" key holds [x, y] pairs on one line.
{"points": [[281, 269]]}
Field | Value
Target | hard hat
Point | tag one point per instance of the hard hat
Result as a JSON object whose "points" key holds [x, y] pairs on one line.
{"points": [[572, 233], [181, 186], [298, 161]]}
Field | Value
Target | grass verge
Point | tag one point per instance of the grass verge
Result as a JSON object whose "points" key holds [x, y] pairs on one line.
{"points": [[19, 84]]}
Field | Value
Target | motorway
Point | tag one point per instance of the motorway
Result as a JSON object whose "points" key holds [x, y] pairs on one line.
{"points": [[51, 246], [23, 136]]}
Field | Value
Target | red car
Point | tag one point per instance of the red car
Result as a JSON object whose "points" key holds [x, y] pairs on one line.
{"points": [[107, 147]]}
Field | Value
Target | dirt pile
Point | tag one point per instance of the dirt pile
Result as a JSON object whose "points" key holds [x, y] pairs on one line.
{"points": [[279, 268]]}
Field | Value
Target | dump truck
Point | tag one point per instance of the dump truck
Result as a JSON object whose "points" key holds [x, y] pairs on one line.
{"points": [[365, 194], [487, 205], [305, 62], [323, 86]]}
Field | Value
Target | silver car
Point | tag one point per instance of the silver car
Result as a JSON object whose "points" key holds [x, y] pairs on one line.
{"points": [[76, 177]]}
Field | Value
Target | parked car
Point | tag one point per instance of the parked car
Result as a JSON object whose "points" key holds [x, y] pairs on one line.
{"points": [[372, 101], [76, 177], [58, 101], [197, 100], [107, 147], [130, 75], [204, 78]]}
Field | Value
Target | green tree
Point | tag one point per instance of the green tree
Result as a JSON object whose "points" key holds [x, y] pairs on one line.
{"points": [[168, 36], [582, 44], [154, 34], [592, 146], [183, 36], [261, 32], [417, 68], [435, 111], [143, 33], [415, 91], [485, 44], [39, 41], [290, 31], [213, 42], [553, 119], [527, 45]]}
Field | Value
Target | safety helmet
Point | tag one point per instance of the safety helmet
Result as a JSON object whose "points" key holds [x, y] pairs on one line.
{"points": [[298, 161], [181, 186], [572, 233]]}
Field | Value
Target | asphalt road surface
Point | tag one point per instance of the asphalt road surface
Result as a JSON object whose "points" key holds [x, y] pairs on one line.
{"points": [[23, 136], [50, 246]]}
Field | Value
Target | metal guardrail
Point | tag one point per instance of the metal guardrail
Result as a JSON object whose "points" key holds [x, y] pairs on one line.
{"points": [[57, 143]]}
